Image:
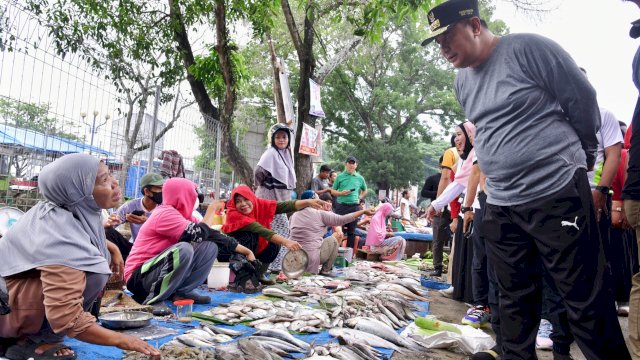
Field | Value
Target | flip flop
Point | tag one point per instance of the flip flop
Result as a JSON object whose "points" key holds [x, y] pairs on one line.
{"points": [[28, 351]]}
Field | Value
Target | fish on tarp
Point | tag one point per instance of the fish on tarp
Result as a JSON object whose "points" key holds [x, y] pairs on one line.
{"points": [[363, 337], [281, 344], [201, 334], [252, 349], [193, 341], [382, 330], [221, 330], [282, 335]]}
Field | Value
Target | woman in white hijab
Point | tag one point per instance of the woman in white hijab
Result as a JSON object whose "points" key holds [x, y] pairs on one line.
{"points": [[275, 178], [56, 262]]}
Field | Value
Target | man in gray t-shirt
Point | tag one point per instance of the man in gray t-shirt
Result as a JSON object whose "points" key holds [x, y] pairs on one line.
{"points": [[320, 183], [536, 118]]}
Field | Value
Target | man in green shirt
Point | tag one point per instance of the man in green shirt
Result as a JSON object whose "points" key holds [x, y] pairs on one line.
{"points": [[349, 187]]}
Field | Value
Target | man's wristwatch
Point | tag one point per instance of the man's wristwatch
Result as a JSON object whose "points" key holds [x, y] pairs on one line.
{"points": [[464, 209], [603, 189]]}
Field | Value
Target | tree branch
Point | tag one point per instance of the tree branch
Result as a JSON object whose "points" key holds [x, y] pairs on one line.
{"points": [[293, 28], [336, 60]]}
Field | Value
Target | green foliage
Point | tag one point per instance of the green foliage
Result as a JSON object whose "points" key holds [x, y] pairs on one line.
{"points": [[432, 153], [207, 69], [31, 116], [386, 165], [371, 18], [125, 40]]}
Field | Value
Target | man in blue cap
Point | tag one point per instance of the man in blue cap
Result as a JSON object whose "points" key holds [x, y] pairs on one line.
{"points": [[536, 117]]}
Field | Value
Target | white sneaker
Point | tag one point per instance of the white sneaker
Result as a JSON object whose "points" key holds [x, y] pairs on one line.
{"points": [[623, 308], [543, 339], [447, 292]]}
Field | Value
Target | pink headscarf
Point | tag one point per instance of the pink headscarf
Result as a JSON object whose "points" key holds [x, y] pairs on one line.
{"points": [[462, 176], [378, 225], [172, 217], [166, 223]]}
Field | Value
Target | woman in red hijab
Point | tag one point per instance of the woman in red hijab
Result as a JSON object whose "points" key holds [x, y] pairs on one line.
{"points": [[249, 221]]}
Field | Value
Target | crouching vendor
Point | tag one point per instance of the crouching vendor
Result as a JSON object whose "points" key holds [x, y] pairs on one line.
{"points": [[56, 262], [174, 252], [249, 220], [309, 225]]}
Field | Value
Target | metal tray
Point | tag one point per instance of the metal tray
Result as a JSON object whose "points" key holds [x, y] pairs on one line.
{"points": [[295, 263], [125, 319]]}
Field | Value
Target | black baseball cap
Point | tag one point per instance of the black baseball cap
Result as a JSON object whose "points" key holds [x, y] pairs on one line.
{"points": [[351, 158], [448, 13]]}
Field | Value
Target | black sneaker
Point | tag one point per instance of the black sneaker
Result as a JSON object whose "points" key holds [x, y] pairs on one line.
{"points": [[436, 272]]}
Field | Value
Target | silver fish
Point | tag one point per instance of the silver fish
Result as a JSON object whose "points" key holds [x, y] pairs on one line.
{"points": [[283, 335], [362, 337], [193, 341], [221, 330], [252, 349]]}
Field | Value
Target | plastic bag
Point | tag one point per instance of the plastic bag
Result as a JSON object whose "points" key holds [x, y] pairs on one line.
{"points": [[469, 342]]}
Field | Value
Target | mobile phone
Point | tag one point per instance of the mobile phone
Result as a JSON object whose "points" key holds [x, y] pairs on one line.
{"points": [[137, 212], [352, 190]]}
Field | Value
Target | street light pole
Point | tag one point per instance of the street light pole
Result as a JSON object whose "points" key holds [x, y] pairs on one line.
{"points": [[94, 128]]}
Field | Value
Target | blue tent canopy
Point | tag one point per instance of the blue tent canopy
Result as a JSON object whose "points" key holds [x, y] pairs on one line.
{"points": [[38, 141]]}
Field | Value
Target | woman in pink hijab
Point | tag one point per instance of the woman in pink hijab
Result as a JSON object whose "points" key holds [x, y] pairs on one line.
{"points": [[173, 252], [382, 242]]}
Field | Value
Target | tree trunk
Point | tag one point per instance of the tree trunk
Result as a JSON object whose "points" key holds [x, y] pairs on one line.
{"points": [[126, 164], [277, 88], [208, 110], [304, 47]]}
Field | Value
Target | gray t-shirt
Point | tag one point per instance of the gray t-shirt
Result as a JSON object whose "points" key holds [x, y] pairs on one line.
{"points": [[536, 117], [318, 184]]}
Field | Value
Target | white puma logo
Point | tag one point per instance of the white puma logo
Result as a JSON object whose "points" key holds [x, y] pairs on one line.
{"points": [[574, 223]]}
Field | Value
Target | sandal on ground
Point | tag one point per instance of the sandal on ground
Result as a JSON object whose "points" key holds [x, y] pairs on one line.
{"points": [[28, 351], [161, 309]]}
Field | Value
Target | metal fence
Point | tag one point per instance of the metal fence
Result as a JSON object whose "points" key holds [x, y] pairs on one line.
{"points": [[51, 106]]}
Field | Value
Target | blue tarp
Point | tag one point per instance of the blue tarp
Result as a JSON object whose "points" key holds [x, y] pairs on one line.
{"points": [[38, 141], [414, 236], [97, 352]]}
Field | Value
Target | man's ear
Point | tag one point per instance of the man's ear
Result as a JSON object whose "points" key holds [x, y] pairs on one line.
{"points": [[476, 25]]}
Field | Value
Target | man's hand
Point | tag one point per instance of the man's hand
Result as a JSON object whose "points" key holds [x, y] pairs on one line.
{"points": [[345, 192], [468, 218], [599, 204], [112, 221], [454, 225], [431, 213], [136, 219]]}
